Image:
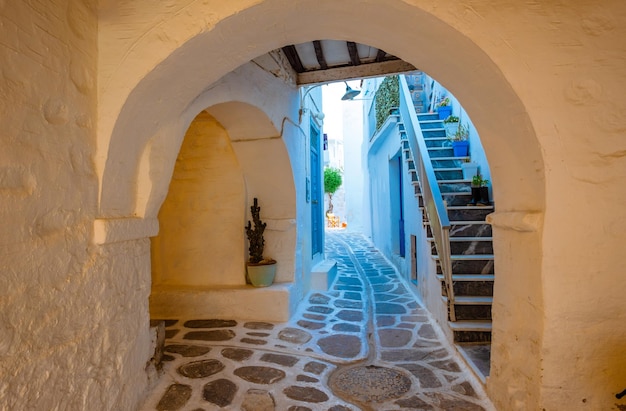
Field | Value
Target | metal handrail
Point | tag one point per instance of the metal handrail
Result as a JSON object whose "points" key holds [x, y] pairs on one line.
{"points": [[431, 194]]}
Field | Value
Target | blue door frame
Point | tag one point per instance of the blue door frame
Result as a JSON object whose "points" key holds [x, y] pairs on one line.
{"points": [[402, 247], [316, 193]]}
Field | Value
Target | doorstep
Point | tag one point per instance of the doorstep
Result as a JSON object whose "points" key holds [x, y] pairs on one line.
{"points": [[323, 274], [273, 303]]}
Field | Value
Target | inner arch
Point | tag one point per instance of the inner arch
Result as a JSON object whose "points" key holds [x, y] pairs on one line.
{"points": [[403, 30]]}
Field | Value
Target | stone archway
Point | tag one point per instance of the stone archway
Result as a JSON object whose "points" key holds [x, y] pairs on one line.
{"points": [[132, 104], [231, 154]]}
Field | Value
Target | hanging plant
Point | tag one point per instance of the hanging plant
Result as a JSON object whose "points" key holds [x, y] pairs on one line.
{"points": [[387, 99]]}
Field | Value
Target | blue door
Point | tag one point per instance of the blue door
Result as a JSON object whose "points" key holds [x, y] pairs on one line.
{"points": [[316, 193], [401, 203]]}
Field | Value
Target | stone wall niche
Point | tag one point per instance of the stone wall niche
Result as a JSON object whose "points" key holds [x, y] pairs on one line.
{"points": [[201, 240], [198, 257]]}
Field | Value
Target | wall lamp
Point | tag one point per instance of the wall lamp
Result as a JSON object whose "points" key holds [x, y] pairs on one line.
{"points": [[319, 116], [350, 93]]}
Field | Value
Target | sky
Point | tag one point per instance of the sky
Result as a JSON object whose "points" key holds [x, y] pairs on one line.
{"points": [[333, 107]]}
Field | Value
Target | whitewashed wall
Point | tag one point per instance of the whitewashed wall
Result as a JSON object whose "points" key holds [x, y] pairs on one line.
{"points": [[90, 95]]}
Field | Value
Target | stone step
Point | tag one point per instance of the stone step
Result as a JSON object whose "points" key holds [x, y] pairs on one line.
{"points": [[457, 199], [449, 174], [438, 152], [433, 132], [271, 303], [451, 199], [471, 331], [469, 213], [454, 186], [469, 264], [447, 162], [427, 117], [470, 285], [323, 275], [438, 142], [478, 358], [431, 124], [472, 308], [444, 168], [465, 229], [467, 245], [473, 300]]}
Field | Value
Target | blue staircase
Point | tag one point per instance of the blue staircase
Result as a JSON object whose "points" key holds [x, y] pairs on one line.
{"points": [[471, 244]]}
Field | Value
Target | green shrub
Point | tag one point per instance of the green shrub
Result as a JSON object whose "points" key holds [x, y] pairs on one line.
{"points": [[332, 182], [387, 98]]}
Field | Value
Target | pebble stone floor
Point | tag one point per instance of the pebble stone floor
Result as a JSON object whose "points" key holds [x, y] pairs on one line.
{"points": [[365, 344]]}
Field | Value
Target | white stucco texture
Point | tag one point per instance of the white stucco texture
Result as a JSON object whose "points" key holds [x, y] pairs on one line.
{"points": [[201, 239], [97, 98], [198, 258], [519, 72], [74, 322]]}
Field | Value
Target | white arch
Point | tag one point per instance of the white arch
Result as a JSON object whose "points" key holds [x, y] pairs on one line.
{"points": [[146, 100], [155, 103]]}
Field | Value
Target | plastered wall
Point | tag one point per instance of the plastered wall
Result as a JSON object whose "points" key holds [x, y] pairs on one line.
{"points": [[201, 238], [73, 316], [539, 82], [543, 84], [199, 255], [381, 152]]}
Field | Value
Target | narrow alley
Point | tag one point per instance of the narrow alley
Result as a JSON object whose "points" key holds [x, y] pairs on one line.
{"points": [[366, 344]]}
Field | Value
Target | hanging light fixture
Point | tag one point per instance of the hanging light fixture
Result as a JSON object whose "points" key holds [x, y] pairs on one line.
{"points": [[350, 94]]}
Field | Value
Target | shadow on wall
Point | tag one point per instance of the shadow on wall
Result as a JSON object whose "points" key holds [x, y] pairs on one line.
{"points": [[200, 242]]}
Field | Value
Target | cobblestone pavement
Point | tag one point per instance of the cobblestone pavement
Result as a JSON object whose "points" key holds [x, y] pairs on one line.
{"points": [[364, 345]]}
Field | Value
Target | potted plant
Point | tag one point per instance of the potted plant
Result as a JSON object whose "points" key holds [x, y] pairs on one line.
{"points": [[480, 191], [451, 124], [460, 145], [444, 109], [470, 169], [261, 271]]}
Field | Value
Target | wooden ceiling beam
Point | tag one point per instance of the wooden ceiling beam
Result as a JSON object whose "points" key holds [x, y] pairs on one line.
{"points": [[292, 55], [319, 53], [380, 56], [355, 72], [354, 53]]}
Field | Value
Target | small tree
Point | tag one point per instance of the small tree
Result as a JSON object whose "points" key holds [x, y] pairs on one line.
{"points": [[332, 182]]}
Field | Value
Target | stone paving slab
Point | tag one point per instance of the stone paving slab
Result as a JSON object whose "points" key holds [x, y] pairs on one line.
{"points": [[321, 359]]}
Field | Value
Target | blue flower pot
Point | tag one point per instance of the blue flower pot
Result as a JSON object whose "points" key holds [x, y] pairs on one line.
{"points": [[444, 112], [460, 148]]}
